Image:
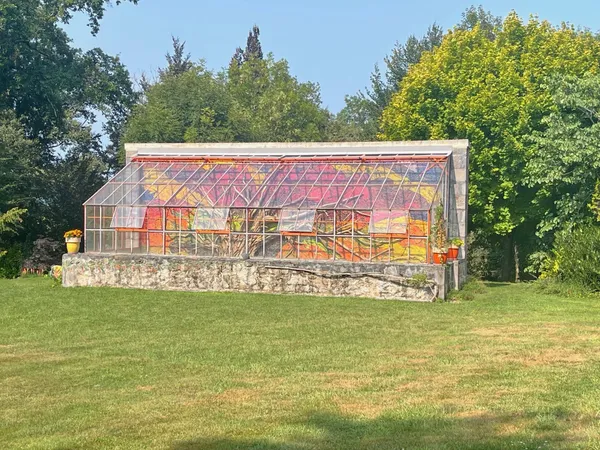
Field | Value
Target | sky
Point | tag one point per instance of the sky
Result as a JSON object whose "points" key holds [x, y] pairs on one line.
{"points": [[332, 42]]}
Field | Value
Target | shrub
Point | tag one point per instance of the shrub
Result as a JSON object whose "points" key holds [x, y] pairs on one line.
{"points": [[45, 253], [11, 263], [468, 292], [576, 258]]}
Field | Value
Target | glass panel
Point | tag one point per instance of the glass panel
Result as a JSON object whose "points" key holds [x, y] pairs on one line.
{"points": [[92, 241], [324, 220], [343, 248], [238, 220], [205, 244], [107, 214], [289, 247], [188, 244], [211, 219], [388, 222], [324, 248], [238, 245], [128, 217], [255, 245], [343, 222], [92, 219], [221, 245], [172, 243], [297, 220], [139, 242], [108, 241], [154, 218], [155, 243], [272, 245], [380, 249], [172, 218]]}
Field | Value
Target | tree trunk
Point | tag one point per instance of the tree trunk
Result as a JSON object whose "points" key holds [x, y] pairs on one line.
{"points": [[516, 254], [506, 265]]}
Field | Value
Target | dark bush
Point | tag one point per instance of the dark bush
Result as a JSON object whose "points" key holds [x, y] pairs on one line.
{"points": [[11, 263], [45, 253]]}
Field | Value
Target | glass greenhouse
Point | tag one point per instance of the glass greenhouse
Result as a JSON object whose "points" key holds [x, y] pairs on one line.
{"points": [[370, 208]]}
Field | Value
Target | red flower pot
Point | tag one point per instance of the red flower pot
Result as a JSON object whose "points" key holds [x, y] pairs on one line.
{"points": [[452, 253], [439, 258]]}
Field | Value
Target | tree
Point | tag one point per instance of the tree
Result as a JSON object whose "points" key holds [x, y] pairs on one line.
{"points": [[51, 95], [192, 107], [253, 49], [270, 105], [564, 164], [493, 93], [363, 110], [177, 63], [257, 100]]}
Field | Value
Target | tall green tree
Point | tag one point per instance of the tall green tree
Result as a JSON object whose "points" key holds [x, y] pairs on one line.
{"points": [[564, 163], [51, 96], [494, 93]]}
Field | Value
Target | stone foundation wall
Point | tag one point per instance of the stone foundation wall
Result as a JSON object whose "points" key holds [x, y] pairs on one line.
{"points": [[343, 279]]}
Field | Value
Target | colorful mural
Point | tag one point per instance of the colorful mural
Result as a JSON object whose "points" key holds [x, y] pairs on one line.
{"points": [[357, 210]]}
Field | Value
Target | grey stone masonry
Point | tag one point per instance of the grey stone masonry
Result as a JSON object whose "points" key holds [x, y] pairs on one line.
{"points": [[341, 279], [458, 194]]}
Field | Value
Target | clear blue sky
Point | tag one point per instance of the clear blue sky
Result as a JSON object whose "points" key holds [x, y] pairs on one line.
{"points": [[332, 42]]}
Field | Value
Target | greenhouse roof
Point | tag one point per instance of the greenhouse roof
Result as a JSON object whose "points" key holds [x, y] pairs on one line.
{"points": [[350, 180]]}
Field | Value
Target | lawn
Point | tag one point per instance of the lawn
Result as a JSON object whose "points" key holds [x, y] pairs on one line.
{"points": [[109, 368]]}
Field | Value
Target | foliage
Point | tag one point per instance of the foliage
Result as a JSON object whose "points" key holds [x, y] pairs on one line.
{"points": [[11, 262], [177, 63], [359, 119], [257, 100], [418, 280], [564, 165], [270, 105], [457, 242], [473, 288], [439, 229], [575, 258], [494, 93], [51, 98], [253, 49], [484, 259], [44, 254], [360, 116]]}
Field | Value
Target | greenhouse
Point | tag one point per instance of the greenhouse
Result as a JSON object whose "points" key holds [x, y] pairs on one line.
{"points": [[360, 204]]}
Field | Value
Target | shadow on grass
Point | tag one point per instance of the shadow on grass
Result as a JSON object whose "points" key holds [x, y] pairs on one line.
{"points": [[332, 431]]}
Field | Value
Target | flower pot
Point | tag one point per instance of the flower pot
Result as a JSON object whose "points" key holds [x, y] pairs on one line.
{"points": [[73, 244], [439, 257], [452, 253]]}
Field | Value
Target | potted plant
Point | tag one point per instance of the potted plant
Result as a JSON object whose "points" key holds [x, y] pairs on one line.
{"points": [[439, 239], [455, 244], [73, 240]]}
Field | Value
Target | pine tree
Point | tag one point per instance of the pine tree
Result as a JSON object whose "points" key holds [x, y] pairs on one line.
{"points": [[178, 62]]}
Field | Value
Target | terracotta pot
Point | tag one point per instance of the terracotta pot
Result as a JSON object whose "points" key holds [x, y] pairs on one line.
{"points": [[452, 253], [439, 258], [73, 244]]}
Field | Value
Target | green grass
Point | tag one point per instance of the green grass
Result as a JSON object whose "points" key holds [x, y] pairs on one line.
{"points": [[108, 368]]}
